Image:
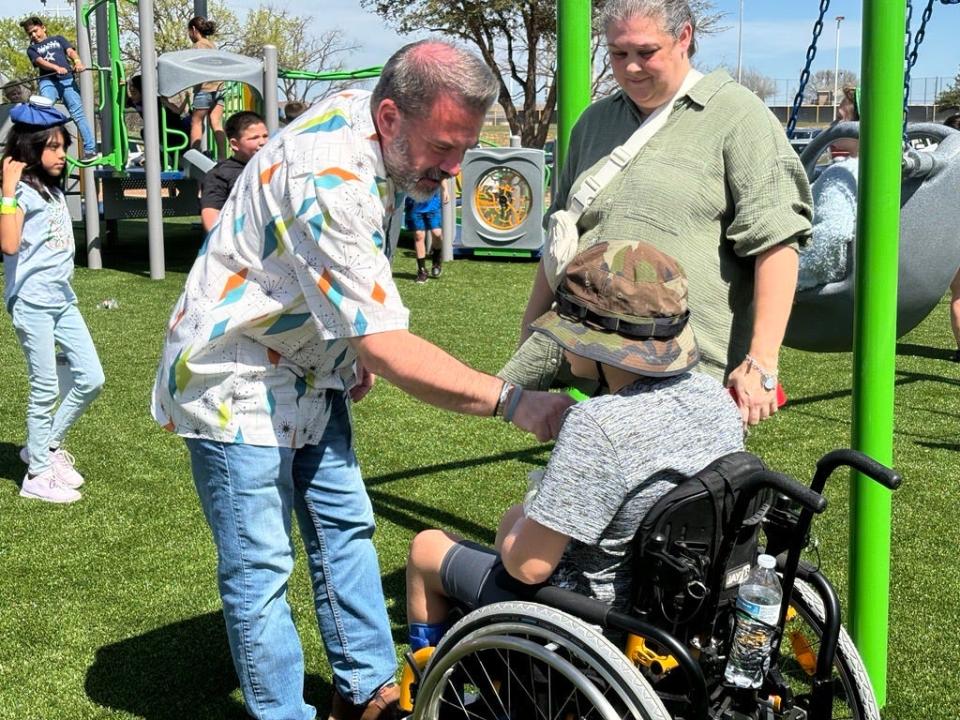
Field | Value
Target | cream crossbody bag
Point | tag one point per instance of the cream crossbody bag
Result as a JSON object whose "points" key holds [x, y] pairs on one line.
{"points": [[563, 237]]}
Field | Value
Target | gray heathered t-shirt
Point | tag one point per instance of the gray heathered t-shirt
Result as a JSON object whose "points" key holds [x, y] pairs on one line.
{"points": [[615, 456]]}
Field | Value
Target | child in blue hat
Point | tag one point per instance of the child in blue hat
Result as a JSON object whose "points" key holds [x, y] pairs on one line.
{"points": [[36, 237]]}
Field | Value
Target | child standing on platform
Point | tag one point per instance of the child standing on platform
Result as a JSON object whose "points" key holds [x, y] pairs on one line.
{"points": [[36, 238], [53, 56]]}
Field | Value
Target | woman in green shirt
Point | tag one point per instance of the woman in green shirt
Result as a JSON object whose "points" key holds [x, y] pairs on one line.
{"points": [[718, 187]]}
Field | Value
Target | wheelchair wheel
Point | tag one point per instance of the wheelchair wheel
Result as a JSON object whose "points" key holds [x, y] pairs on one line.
{"points": [[519, 660], [853, 693]]}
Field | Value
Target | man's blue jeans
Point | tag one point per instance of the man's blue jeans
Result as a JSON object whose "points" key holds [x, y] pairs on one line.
{"points": [[64, 88], [248, 493]]}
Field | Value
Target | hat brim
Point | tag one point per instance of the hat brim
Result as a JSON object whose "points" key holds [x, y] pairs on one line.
{"points": [[651, 357]]}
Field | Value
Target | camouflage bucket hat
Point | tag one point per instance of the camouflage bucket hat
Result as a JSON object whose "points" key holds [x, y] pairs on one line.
{"points": [[624, 304]]}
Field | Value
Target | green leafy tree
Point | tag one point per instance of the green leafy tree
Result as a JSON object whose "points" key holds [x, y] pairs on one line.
{"points": [[14, 63], [516, 39], [950, 97]]}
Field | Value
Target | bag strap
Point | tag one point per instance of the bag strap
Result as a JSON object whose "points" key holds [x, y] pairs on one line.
{"points": [[621, 156]]}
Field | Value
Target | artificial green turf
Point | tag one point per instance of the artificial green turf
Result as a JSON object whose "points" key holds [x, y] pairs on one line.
{"points": [[108, 608]]}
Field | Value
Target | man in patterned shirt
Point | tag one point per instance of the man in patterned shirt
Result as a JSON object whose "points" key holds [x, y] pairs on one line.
{"points": [[288, 314]]}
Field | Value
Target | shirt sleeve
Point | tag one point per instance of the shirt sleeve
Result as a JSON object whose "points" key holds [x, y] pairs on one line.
{"points": [[582, 488], [65, 44], [32, 54], [214, 190], [771, 196]]}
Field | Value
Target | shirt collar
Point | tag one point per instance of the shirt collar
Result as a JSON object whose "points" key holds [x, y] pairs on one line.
{"points": [[701, 93]]}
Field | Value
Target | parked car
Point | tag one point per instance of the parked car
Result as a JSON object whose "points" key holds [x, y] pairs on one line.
{"points": [[802, 137]]}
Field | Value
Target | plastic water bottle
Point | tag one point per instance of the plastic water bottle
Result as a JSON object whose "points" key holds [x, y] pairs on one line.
{"points": [[758, 610]]}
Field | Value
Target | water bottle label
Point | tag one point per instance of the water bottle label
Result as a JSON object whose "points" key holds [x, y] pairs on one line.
{"points": [[767, 614]]}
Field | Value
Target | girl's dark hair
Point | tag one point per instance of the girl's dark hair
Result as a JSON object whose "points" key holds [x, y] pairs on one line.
{"points": [[203, 26], [26, 144]]}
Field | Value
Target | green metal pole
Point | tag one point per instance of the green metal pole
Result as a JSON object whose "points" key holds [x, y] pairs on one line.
{"points": [[875, 314], [574, 75]]}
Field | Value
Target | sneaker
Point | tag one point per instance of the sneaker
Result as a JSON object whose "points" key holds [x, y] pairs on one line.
{"points": [[436, 263], [90, 157], [382, 706], [435, 270], [64, 463], [47, 486], [421, 276]]}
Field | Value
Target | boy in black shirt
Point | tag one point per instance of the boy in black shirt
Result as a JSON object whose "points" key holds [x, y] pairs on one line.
{"points": [[53, 56], [247, 133]]}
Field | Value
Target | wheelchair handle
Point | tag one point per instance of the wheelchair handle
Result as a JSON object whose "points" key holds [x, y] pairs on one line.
{"points": [[807, 497], [888, 477]]}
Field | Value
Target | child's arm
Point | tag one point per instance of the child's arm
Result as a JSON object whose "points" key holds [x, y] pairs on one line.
{"points": [[78, 65], [11, 223], [209, 217], [531, 551], [47, 65]]}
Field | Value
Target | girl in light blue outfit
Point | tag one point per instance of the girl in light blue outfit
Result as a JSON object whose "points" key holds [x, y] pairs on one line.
{"points": [[36, 238]]}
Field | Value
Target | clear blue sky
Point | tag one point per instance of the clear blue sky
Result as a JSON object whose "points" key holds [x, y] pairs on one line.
{"points": [[775, 33]]}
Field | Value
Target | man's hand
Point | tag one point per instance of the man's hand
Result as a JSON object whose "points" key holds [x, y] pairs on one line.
{"points": [[365, 380], [541, 413], [755, 403]]}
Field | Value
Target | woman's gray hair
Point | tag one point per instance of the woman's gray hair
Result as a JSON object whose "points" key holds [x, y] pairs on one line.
{"points": [[672, 14], [420, 73]]}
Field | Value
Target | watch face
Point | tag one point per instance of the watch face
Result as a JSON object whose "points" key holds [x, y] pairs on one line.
{"points": [[769, 382], [502, 198]]}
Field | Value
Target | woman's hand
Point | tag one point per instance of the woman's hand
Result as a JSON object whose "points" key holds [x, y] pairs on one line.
{"points": [[365, 380], [12, 171], [755, 402]]}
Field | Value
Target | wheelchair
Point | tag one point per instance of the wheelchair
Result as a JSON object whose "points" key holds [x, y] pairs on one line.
{"points": [[557, 655]]}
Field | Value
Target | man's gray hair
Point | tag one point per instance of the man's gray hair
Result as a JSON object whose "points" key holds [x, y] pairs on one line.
{"points": [[419, 74], [672, 14]]}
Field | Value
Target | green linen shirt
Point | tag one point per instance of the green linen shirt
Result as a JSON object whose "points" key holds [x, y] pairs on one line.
{"points": [[716, 186]]}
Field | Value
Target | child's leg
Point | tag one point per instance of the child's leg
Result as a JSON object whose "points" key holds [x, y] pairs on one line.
{"points": [[74, 103], [34, 327], [219, 136], [196, 128], [48, 88], [74, 339], [426, 601]]}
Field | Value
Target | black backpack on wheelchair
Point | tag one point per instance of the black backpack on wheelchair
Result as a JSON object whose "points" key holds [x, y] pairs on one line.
{"points": [[678, 548]]}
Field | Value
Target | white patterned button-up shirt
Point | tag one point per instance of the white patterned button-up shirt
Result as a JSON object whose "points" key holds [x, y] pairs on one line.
{"points": [[298, 263]]}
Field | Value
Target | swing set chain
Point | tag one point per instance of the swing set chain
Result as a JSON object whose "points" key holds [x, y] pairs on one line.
{"points": [[805, 74], [912, 54]]}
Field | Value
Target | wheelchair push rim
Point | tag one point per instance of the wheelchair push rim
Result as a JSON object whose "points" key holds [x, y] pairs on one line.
{"points": [[524, 660]]}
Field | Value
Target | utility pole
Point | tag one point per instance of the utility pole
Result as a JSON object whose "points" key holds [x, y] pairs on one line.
{"points": [[836, 67], [740, 45]]}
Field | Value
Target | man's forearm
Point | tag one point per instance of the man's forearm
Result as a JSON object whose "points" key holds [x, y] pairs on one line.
{"points": [[426, 372]]}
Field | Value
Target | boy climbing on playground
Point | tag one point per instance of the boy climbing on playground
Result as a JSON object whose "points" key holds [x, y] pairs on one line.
{"points": [[620, 315], [36, 238], [247, 133], [53, 56], [426, 217]]}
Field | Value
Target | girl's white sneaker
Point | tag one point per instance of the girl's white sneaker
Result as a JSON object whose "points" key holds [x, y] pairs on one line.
{"points": [[49, 487]]}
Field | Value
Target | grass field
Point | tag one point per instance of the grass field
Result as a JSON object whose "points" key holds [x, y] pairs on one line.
{"points": [[108, 608]]}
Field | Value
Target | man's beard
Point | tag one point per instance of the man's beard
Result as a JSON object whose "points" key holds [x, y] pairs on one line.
{"points": [[399, 165]]}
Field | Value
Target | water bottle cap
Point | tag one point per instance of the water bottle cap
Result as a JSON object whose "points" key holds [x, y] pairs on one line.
{"points": [[767, 561]]}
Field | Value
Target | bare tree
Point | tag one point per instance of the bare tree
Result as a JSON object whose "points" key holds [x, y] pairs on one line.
{"points": [[759, 84], [298, 49], [822, 81], [516, 38]]}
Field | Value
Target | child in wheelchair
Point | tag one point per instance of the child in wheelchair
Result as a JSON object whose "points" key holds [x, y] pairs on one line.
{"points": [[621, 316]]}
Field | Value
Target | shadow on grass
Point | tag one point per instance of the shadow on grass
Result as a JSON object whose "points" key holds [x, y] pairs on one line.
{"points": [[182, 670], [955, 447], [129, 251], [11, 466], [535, 455], [903, 378], [924, 351]]}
